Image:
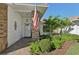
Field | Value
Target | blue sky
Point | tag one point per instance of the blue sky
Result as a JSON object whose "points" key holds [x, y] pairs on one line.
{"points": [[62, 9]]}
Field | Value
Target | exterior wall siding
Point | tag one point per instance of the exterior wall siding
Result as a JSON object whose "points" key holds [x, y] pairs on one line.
{"points": [[3, 27], [14, 34]]}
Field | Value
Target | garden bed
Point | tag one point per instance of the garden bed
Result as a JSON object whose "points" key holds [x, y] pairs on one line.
{"points": [[63, 50], [55, 46], [58, 51]]}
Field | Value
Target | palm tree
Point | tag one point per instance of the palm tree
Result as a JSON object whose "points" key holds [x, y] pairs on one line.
{"points": [[67, 23], [51, 24]]}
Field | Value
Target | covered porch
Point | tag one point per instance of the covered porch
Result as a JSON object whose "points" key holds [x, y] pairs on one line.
{"points": [[20, 18]]}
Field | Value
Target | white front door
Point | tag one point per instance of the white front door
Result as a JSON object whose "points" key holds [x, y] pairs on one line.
{"points": [[27, 30]]}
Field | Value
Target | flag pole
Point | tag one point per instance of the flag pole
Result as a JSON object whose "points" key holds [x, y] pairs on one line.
{"points": [[38, 23]]}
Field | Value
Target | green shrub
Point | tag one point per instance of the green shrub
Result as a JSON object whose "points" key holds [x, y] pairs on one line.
{"points": [[56, 37], [52, 45], [35, 47], [68, 36], [76, 37], [45, 45], [56, 42]]}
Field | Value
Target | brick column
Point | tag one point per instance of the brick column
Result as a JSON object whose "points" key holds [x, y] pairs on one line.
{"points": [[3, 26]]}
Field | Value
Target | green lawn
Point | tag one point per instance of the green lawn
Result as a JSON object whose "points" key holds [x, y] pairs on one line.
{"points": [[73, 50]]}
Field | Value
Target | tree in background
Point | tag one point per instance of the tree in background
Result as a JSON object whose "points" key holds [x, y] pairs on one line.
{"points": [[67, 24], [51, 24], [56, 22]]}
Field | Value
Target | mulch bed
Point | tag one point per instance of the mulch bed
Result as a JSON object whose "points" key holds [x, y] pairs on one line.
{"points": [[62, 50]]}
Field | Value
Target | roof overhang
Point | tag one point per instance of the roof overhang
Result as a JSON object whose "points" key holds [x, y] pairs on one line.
{"points": [[24, 8]]}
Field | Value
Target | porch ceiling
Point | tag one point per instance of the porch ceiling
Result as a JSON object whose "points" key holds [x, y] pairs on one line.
{"points": [[24, 8]]}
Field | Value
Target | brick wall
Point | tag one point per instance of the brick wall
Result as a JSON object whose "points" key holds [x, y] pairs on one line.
{"points": [[3, 26]]}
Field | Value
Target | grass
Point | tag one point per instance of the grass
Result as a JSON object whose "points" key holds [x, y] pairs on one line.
{"points": [[73, 50]]}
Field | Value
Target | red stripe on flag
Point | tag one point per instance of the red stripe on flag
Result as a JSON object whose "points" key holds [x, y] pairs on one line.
{"points": [[35, 20]]}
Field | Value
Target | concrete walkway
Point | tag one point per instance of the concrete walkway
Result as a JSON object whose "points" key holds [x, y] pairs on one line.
{"points": [[19, 48]]}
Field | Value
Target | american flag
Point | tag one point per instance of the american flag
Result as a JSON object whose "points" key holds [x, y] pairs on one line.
{"points": [[35, 20]]}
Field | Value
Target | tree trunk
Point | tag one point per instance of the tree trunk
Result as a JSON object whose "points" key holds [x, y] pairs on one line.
{"points": [[50, 32], [60, 33]]}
